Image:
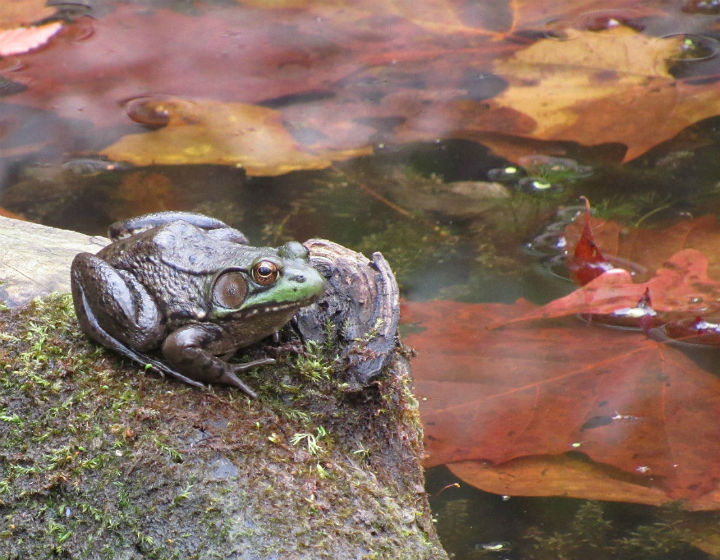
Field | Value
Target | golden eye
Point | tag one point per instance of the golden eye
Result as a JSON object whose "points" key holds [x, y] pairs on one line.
{"points": [[230, 290], [265, 273]]}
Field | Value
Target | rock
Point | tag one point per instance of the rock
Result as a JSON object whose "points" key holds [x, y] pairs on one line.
{"points": [[35, 259], [99, 458]]}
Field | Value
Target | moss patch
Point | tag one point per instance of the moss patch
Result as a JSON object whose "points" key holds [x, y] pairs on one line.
{"points": [[99, 459]]}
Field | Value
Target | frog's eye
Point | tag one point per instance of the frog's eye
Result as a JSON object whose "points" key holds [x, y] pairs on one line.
{"points": [[265, 273], [230, 290]]}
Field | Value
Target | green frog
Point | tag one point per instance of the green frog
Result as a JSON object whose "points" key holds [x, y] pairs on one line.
{"points": [[191, 287]]}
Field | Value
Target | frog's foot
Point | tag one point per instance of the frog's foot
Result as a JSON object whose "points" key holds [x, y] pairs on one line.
{"points": [[188, 351], [230, 377]]}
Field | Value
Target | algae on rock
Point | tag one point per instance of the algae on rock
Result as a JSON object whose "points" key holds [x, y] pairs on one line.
{"points": [[99, 459]]}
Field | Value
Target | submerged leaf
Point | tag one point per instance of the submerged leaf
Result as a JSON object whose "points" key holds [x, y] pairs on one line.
{"points": [[539, 389]]}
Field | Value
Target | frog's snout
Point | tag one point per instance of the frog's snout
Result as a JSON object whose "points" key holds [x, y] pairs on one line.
{"points": [[310, 279]]}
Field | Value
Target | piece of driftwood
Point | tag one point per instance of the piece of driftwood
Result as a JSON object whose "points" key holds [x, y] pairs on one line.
{"points": [[359, 311]]}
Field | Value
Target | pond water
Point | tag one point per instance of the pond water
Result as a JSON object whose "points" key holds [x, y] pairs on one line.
{"points": [[455, 220]]}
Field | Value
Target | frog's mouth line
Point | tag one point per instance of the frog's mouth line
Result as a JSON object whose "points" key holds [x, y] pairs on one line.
{"points": [[274, 308]]}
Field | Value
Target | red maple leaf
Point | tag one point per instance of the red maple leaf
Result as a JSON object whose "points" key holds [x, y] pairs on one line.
{"points": [[548, 388]]}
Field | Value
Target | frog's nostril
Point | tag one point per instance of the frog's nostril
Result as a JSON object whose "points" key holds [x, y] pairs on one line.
{"points": [[299, 278]]}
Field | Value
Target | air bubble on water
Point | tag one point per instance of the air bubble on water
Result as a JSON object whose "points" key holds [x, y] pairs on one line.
{"points": [[601, 20], [707, 7], [695, 48], [595, 20], [533, 185], [154, 111], [551, 167], [92, 166], [567, 214], [548, 244], [79, 30], [70, 10], [10, 64], [554, 28], [507, 173], [556, 266]]}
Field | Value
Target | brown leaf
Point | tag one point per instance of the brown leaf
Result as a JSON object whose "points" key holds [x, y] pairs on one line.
{"points": [[544, 389], [559, 475], [585, 88]]}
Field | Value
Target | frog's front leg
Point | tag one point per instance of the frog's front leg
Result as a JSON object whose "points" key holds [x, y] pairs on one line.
{"points": [[188, 349]]}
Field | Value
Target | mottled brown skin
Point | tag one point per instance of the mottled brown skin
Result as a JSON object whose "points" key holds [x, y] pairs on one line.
{"points": [[189, 286]]}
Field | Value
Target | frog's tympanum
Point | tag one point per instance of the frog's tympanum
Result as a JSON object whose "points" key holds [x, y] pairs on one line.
{"points": [[190, 286]]}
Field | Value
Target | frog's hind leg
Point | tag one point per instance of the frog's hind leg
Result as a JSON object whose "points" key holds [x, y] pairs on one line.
{"points": [[106, 300]]}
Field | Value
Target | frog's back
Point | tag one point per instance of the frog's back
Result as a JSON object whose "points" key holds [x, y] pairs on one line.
{"points": [[166, 259]]}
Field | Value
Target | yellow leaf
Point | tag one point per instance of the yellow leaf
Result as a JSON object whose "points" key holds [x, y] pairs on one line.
{"points": [[207, 131], [14, 13], [595, 87]]}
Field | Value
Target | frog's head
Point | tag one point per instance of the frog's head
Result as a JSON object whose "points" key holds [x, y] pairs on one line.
{"points": [[272, 281]]}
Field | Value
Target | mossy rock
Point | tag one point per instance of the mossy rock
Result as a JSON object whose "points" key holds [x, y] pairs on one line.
{"points": [[100, 459]]}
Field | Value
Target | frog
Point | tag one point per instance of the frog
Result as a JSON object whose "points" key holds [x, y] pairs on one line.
{"points": [[182, 292]]}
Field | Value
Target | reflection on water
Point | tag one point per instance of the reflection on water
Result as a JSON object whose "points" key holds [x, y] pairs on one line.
{"points": [[455, 220]]}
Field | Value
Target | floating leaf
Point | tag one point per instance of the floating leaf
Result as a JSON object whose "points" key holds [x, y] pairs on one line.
{"points": [[516, 76], [645, 250], [15, 13], [586, 262], [24, 39], [680, 287], [205, 131]]}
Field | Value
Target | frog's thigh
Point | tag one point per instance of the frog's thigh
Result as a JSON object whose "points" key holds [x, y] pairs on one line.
{"points": [[116, 302], [187, 350]]}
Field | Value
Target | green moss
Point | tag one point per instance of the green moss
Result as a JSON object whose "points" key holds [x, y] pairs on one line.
{"points": [[100, 459]]}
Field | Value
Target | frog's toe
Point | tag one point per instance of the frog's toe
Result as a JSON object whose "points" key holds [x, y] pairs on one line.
{"points": [[248, 365], [229, 378]]}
